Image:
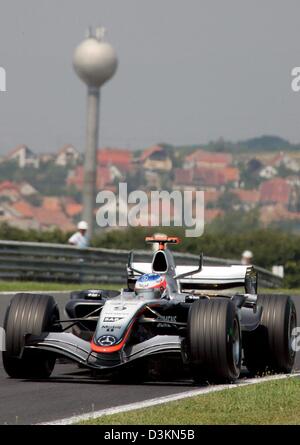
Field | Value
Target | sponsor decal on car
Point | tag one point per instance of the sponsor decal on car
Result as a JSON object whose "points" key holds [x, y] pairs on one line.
{"points": [[107, 340], [112, 319]]}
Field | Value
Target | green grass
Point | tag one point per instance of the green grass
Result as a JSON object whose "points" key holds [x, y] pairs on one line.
{"points": [[17, 286], [280, 291], [275, 402], [20, 286]]}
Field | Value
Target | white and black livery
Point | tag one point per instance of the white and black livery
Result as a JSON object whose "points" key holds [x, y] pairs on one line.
{"points": [[167, 312]]}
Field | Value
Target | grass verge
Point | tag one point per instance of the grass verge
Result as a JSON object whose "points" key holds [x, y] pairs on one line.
{"points": [[28, 286], [271, 403], [280, 291]]}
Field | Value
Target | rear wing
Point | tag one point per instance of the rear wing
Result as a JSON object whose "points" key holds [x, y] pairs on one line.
{"points": [[209, 277], [219, 277]]}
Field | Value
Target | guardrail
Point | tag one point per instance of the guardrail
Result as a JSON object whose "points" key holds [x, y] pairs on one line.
{"points": [[56, 262]]}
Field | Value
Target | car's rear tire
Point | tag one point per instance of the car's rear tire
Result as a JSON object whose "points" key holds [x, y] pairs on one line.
{"points": [[28, 314], [269, 347], [214, 340]]}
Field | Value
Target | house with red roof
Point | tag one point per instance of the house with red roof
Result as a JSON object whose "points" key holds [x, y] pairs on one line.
{"points": [[248, 198], [24, 208], [120, 158], [276, 190], [276, 212], [104, 178], [9, 190], [16, 217], [205, 159], [203, 177], [216, 177], [49, 220], [183, 179]]}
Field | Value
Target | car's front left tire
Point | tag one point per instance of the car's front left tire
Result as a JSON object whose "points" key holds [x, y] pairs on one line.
{"points": [[28, 314]]}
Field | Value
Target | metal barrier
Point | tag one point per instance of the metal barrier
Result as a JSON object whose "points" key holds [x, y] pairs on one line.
{"points": [[56, 262]]}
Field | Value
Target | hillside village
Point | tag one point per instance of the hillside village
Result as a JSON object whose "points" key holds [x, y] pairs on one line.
{"points": [[43, 191]]}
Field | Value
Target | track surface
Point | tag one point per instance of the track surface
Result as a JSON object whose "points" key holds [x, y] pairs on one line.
{"points": [[72, 391]]}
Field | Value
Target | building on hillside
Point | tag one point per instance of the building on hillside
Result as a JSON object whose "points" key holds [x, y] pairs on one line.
{"points": [[274, 191], [205, 178], [27, 189], [104, 178], [155, 158], [18, 217], [293, 181], [9, 191], [276, 212], [49, 220], [205, 159], [249, 199], [68, 155], [216, 178], [24, 157], [285, 160], [24, 208], [268, 172], [73, 209], [121, 159], [183, 179], [46, 158], [52, 203]]}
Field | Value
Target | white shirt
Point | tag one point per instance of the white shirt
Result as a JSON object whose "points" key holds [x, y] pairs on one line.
{"points": [[78, 240]]}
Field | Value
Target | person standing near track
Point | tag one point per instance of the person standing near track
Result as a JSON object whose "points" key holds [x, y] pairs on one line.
{"points": [[79, 238], [247, 258]]}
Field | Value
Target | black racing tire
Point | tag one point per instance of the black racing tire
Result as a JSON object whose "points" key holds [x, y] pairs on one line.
{"points": [[269, 347], [214, 340], [29, 314]]}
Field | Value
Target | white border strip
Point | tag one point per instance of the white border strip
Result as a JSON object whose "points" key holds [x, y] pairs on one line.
{"points": [[165, 399], [54, 292]]}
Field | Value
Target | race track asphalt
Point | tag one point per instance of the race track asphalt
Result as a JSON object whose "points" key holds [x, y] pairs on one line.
{"points": [[72, 391]]}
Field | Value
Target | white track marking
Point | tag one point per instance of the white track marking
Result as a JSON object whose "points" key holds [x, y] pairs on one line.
{"points": [[165, 399], [49, 292]]}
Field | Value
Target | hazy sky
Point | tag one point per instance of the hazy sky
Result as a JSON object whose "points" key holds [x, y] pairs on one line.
{"points": [[190, 71]]}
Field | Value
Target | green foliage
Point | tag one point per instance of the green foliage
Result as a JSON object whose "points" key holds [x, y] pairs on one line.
{"points": [[228, 201], [14, 234], [250, 179], [292, 270], [236, 221]]}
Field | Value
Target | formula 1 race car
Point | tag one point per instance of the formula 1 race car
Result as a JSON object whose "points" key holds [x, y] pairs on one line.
{"points": [[167, 312]]}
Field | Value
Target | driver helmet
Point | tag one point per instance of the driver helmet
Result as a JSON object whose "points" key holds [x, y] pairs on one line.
{"points": [[151, 285]]}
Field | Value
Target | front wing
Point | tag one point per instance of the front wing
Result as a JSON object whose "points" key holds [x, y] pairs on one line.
{"points": [[74, 348]]}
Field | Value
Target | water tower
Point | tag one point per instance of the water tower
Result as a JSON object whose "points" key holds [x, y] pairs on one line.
{"points": [[95, 62]]}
